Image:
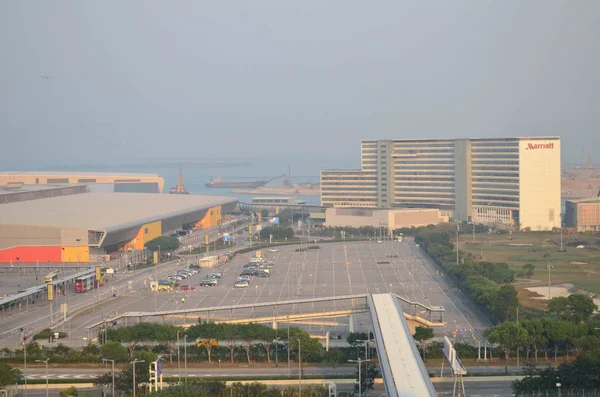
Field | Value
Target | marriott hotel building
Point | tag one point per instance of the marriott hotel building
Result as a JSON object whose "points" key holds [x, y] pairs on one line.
{"points": [[513, 181]]}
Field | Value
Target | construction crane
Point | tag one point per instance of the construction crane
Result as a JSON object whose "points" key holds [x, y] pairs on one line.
{"points": [[180, 188]]}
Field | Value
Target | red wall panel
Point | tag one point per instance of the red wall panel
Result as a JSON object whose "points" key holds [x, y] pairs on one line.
{"points": [[31, 254]]}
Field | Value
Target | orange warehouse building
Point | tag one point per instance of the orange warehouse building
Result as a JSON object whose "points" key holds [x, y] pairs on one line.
{"points": [[82, 227]]}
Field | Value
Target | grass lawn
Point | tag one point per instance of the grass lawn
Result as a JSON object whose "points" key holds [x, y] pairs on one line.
{"points": [[577, 266]]}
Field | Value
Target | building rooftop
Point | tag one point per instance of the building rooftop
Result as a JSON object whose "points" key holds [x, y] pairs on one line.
{"points": [[104, 210], [500, 138], [76, 173], [585, 200]]}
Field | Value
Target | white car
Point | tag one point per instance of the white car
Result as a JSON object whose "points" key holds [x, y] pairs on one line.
{"points": [[273, 250], [379, 241]]}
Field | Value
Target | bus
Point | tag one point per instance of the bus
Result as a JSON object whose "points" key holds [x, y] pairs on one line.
{"points": [[86, 283], [50, 277]]}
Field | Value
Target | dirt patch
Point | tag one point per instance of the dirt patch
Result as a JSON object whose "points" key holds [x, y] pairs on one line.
{"points": [[580, 263], [531, 299]]}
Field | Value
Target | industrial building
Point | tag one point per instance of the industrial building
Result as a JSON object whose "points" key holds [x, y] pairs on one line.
{"points": [[512, 181], [120, 182], [391, 219], [583, 214], [73, 224]]}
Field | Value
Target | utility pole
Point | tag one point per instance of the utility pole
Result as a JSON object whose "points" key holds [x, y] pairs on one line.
{"points": [[156, 279], [133, 362], [518, 342], [113, 374], [25, 363], [359, 362], [457, 229], [45, 361], [561, 231], [288, 346], [185, 356], [299, 370], [178, 361], [549, 266]]}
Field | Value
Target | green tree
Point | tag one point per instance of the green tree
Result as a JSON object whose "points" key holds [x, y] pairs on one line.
{"points": [[9, 375], [264, 214], [114, 351], [576, 307], [537, 335], [353, 338], [334, 356], [422, 335], [509, 336], [506, 303], [278, 232], [528, 270], [557, 333], [166, 243]]}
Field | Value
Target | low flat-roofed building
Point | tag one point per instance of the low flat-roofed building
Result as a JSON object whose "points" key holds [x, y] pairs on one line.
{"points": [[124, 182], [276, 200], [81, 227], [583, 214], [389, 218]]}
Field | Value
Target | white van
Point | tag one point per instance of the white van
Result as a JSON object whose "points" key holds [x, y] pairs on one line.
{"points": [[256, 260]]}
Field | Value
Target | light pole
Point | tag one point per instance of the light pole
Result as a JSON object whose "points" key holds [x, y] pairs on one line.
{"points": [[562, 215], [366, 342], [113, 373], [45, 361], [288, 347], [185, 356], [518, 341], [299, 370], [473, 226], [457, 229], [359, 362], [550, 267], [133, 362], [178, 360], [156, 278], [25, 364]]}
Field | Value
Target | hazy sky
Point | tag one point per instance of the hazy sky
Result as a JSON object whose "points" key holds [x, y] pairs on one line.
{"points": [[302, 79]]}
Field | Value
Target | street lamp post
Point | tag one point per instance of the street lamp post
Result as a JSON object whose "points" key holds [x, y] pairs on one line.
{"points": [[25, 364], [519, 341], [562, 216], [133, 362], [178, 361], [359, 362], [550, 267], [473, 226], [457, 229], [299, 370], [113, 373], [45, 361], [366, 342], [185, 356]]}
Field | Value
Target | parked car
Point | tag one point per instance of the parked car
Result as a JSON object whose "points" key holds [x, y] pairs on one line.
{"points": [[209, 282], [273, 250], [247, 272], [241, 284], [262, 273]]}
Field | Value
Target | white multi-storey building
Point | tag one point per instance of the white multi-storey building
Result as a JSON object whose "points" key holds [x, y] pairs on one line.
{"points": [[514, 181]]}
